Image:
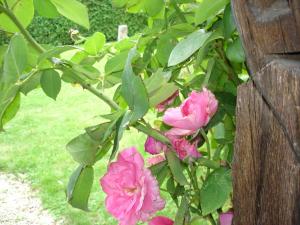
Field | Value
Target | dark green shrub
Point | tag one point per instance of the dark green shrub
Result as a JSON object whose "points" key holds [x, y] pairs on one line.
{"points": [[103, 18]]}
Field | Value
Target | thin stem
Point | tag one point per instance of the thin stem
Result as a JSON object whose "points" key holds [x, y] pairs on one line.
{"points": [[208, 148], [26, 34], [100, 95], [207, 143]]}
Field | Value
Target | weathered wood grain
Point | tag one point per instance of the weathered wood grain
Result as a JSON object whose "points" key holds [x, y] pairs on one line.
{"points": [[266, 168], [267, 28]]}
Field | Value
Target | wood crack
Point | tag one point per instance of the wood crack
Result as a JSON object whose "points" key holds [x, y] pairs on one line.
{"points": [[294, 146]]}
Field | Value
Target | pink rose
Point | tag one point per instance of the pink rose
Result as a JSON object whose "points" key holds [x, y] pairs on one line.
{"points": [[161, 220], [153, 146], [132, 191], [156, 159], [193, 114], [184, 148], [226, 218], [163, 105]]}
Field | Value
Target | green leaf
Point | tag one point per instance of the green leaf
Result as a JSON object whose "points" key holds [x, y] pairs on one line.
{"points": [[31, 83], [73, 10], [134, 91], [15, 59], [157, 81], [165, 45], [45, 8], [79, 187], [153, 7], [97, 132], [3, 49], [116, 63], [12, 109], [119, 3], [112, 79], [208, 163], [83, 149], [163, 93], [121, 125], [209, 8], [183, 208], [228, 21], [87, 71], [103, 150], [95, 43], [176, 168], [50, 83], [22, 9], [181, 30], [55, 52], [215, 190], [187, 47], [235, 51], [160, 171], [14, 62]]}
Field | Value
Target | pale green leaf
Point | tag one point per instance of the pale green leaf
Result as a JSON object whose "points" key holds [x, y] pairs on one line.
{"points": [[209, 8], [134, 91], [176, 168], [22, 9], [83, 149], [45, 8], [94, 43], [153, 7], [215, 190], [187, 47], [73, 10]]}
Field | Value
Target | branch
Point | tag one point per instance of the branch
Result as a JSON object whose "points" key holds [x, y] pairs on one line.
{"points": [[26, 34], [100, 95]]}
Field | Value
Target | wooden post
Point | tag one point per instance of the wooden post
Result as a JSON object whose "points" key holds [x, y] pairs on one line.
{"points": [[266, 167]]}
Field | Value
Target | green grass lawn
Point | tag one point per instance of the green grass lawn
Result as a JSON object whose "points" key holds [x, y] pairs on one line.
{"points": [[34, 146]]}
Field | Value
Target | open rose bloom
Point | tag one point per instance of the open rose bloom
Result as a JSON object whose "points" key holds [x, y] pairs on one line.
{"points": [[132, 192], [193, 114]]}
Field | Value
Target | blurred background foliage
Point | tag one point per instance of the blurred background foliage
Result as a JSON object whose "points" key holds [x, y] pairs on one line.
{"points": [[103, 17]]}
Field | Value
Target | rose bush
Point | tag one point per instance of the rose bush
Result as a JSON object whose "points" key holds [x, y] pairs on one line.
{"points": [[182, 70]]}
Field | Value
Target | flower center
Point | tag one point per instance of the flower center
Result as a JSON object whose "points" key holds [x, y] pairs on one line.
{"points": [[131, 190]]}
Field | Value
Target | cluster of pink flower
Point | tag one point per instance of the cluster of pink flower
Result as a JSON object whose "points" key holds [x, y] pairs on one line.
{"points": [[193, 114], [132, 191]]}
